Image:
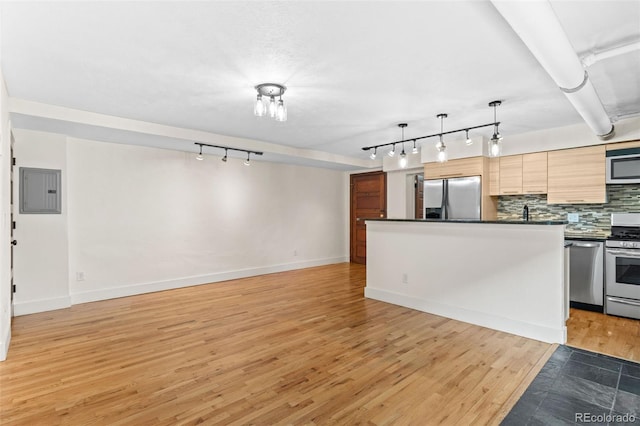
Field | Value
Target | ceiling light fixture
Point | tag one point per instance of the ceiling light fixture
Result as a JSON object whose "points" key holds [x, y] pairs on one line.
{"points": [[373, 153], [226, 149], [442, 148], [495, 143], [440, 143], [269, 92], [469, 141], [403, 155]]}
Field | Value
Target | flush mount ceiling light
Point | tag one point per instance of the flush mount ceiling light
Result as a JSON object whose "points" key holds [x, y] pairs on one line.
{"points": [[442, 153], [495, 143], [442, 148], [266, 103], [226, 150], [403, 155]]}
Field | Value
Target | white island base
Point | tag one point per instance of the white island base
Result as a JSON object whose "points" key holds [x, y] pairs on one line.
{"points": [[504, 276]]}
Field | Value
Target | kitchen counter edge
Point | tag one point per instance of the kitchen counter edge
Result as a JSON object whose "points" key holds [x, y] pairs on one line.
{"points": [[500, 222]]}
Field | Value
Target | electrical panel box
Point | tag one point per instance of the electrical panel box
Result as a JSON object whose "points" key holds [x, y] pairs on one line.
{"points": [[40, 191]]}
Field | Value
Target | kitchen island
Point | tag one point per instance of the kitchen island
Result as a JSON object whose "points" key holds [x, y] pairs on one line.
{"points": [[504, 275]]}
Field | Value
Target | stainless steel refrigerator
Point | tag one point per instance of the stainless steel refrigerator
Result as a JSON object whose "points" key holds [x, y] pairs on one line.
{"points": [[457, 198]]}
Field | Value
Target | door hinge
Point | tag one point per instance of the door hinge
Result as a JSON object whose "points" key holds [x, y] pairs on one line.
{"points": [[13, 161], [13, 288], [13, 224]]}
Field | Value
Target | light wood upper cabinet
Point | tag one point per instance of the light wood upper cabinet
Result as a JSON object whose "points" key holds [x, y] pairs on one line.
{"points": [[577, 176], [454, 168], [494, 176], [511, 175], [534, 173]]}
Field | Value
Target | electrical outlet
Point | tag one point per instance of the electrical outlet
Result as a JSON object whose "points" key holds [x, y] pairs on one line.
{"points": [[573, 217], [405, 278], [79, 276]]}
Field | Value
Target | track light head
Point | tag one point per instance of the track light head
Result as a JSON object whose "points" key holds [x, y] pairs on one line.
{"points": [[393, 151], [247, 161], [224, 159], [415, 148], [199, 157], [373, 153]]}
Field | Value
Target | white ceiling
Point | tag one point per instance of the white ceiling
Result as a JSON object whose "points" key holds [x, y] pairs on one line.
{"points": [[353, 69]]}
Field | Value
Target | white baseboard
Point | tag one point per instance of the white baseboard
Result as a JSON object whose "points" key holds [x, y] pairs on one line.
{"points": [[131, 290], [5, 340], [483, 319], [41, 305]]}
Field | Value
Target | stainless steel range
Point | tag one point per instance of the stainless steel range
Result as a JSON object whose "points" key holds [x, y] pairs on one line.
{"points": [[622, 266]]}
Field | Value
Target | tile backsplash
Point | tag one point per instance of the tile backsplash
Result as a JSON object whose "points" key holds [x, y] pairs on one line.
{"points": [[593, 218]]}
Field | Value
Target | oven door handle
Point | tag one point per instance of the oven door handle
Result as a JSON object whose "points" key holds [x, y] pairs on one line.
{"points": [[623, 301], [624, 253]]}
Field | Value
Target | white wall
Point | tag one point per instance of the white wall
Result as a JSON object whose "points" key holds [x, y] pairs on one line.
{"points": [[41, 272], [5, 222], [139, 219], [502, 276]]}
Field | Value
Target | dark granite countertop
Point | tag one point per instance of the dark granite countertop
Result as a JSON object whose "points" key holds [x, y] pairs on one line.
{"points": [[500, 222], [584, 237]]}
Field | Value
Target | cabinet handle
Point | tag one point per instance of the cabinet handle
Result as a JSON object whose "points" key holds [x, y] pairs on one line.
{"points": [[452, 174], [511, 192], [572, 201]]}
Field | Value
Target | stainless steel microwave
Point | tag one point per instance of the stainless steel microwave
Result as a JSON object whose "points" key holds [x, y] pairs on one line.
{"points": [[623, 165]]}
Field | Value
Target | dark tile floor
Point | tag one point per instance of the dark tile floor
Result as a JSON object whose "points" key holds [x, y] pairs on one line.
{"points": [[580, 387]]}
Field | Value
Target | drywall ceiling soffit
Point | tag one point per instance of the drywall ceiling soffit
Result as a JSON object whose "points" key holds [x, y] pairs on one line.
{"points": [[194, 64]]}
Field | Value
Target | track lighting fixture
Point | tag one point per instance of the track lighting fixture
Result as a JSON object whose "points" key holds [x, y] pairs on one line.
{"points": [[275, 110], [495, 144], [226, 150], [373, 153]]}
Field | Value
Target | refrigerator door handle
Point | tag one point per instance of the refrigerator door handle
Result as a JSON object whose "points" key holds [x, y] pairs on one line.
{"points": [[445, 196]]}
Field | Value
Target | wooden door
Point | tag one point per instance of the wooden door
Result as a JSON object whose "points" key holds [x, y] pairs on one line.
{"points": [[419, 194], [368, 200]]}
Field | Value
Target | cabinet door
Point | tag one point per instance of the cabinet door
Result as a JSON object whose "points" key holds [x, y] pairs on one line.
{"points": [[534, 173], [494, 176], [454, 168], [577, 176], [511, 175]]}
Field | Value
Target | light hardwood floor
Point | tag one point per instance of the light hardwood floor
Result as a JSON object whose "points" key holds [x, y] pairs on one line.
{"points": [[606, 334], [300, 347]]}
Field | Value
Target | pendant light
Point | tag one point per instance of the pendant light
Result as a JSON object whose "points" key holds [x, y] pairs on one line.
{"points": [[442, 148], [403, 155], [495, 143]]}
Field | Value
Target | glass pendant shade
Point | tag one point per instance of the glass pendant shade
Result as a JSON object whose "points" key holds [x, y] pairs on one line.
{"points": [[281, 111], [403, 160], [259, 109], [495, 146], [272, 107], [442, 154]]}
